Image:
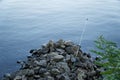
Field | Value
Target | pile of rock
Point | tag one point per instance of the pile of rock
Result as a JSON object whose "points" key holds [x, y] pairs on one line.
{"points": [[61, 60]]}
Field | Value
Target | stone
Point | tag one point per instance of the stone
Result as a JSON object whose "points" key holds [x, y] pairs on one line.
{"points": [[8, 75], [24, 78], [26, 72], [81, 75], [64, 77], [33, 51], [52, 54], [47, 74], [30, 78], [49, 78], [63, 65], [68, 57], [68, 50], [60, 51], [45, 50], [51, 46], [44, 45], [23, 64], [72, 50], [41, 63], [75, 50], [36, 76], [88, 55], [55, 71], [73, 76], [30, 72], [42, 70], [57, 58], [73, 59], [68, 43], [18, 78], [92, 73], [60, 44]]}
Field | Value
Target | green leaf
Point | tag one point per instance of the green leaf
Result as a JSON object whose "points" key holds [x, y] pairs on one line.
{"points": [[109, 58]]}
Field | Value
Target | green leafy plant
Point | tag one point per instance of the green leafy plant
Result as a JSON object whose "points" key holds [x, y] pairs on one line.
{"points": [[109, 58]]}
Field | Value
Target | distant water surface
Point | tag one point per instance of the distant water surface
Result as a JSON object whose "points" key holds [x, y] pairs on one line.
{"points": [[26, 24]]}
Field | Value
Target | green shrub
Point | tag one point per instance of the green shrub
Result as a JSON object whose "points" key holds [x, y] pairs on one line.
{"points": [[109, 58]]}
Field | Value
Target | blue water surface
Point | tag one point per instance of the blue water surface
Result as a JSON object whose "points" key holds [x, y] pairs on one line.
{"points": [[27, 24]]}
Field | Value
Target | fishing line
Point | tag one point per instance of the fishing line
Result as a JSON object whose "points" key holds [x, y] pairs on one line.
{"points": [[83, 31]]}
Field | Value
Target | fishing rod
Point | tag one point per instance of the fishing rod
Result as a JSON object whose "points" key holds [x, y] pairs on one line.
{"points": [[83, 31]]}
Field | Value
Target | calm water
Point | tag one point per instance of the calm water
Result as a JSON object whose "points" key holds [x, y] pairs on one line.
{"points": [[26, 24]]}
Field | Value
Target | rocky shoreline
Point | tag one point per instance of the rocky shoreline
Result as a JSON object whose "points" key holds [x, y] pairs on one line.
{"points": [[61, 60]]}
